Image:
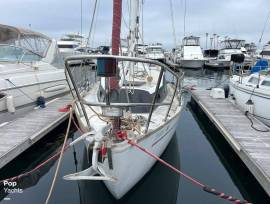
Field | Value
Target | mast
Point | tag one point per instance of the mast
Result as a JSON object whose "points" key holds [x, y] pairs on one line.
{"points": [[116, 31], [134, 26], [114, 81], [116, 27]]}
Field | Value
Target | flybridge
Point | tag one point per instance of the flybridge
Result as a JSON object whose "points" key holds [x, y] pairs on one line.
{"points": [[191, 41], [233, 44]]}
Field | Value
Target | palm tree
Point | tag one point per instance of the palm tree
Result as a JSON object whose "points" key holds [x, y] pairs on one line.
{"points": [[206, 35], [211, 42], [217, 41], [214, 40]]}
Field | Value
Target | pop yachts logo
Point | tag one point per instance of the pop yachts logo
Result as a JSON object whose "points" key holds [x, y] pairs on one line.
{"points": [[11, 187]]}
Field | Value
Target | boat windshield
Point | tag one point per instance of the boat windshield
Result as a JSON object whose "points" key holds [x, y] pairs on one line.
{"points": [[191, 41], [230, 51], [71, 46], [266, 83], [16, 54], [154, 50], [265, 52], [25, 39]]}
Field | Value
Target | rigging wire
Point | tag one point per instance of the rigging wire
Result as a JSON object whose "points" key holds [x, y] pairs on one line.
{"points": [[142, 34], [91, 24], [128, 9], [81, 19], [264, 27], [19, 89], [185, 13], [95, 24], [172, 20], [124, 20]]}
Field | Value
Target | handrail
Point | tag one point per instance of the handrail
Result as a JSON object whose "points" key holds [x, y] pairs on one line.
{"points": [[123, 104], [132, 59], [169, 109], [120, 58], [154, 99]]}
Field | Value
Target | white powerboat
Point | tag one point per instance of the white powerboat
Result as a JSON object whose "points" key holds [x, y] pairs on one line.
{"points": [[229, 47], [190, 54], [252, 93], [130, 100], [155, 52], [71, 44], [251, 49], [141, 49], [30, 67], [265, 53]]}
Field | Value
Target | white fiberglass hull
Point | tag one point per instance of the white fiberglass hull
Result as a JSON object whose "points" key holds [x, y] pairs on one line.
{"points": [[261, 100], [194, 64], [217, 64], [131, 164], [25, 89]]}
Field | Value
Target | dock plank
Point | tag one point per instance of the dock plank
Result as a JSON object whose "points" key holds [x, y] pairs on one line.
{"points": [[252, 146], [21, 133]]}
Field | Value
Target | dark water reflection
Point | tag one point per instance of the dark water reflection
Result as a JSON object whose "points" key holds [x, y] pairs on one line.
{"points": [[158, 186], [197, 148]]}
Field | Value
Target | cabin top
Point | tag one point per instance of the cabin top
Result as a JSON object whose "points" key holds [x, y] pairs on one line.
{"points": [[191, 41]]}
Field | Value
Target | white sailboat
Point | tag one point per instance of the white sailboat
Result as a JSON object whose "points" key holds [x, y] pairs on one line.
{"points": [[131, 99], [30, 67], [252, 93]]}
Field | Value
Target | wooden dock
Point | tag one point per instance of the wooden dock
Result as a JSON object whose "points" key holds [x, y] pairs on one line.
{"points": [[21, 133], [253, 147]]}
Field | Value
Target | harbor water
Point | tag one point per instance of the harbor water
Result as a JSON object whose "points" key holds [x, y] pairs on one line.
{"points": [[197, 149]]}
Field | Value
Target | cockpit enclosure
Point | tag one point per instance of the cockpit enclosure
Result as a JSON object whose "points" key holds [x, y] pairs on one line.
{"points": [[191, 41], [140, 85], [23, 40], [232, 44]]}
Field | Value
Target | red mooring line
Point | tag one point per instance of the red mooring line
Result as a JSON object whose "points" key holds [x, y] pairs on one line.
{"points": [[193, 180], [39, 166], [124, 137]]}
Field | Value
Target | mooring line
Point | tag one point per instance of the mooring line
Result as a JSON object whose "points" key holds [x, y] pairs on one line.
{"points": [[61, 155], [123, 135], [55, 156]]}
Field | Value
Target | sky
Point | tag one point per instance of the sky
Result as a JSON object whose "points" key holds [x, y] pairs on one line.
{"points": [[242, 19]]}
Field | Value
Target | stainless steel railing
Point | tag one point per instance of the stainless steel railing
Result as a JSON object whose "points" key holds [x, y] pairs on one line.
{"points": [[79, 87]]}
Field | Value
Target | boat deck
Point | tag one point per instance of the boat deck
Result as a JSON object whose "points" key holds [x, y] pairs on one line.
{"points": [[253, 147], [18, 135]]}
